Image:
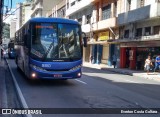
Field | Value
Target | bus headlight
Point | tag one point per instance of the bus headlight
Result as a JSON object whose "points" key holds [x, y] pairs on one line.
{"points": [[37, 68], [75, 68], [33, 75]]}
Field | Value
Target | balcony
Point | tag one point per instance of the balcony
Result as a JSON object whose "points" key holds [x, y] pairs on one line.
{"points": [[104, 24], [36, 8], [101, 25], [78, 6], [142, 13]]}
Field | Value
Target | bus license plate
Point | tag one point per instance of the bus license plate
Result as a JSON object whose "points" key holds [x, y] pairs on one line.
{"points": [[57, 75]]}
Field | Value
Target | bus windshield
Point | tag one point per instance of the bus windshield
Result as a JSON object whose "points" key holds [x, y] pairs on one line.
{"points": [[55, 42]]}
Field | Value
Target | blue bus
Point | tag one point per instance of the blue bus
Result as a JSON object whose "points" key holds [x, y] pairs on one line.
{"points": [[11, 50], [50, 48]]}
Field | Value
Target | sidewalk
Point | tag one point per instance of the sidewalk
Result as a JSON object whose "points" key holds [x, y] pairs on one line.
{"points": [[142, 74], [3, 93]]}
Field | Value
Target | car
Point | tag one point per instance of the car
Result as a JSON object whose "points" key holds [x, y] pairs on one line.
{"points": [[11, 53]]}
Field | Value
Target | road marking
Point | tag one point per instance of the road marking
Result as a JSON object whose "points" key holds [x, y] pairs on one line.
{"points": [[130, 81], [80, 81], [21, 97]]}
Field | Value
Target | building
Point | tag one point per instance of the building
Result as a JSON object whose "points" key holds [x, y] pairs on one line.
{"points": [[41, 7], [12, 28], [23, 13], [139, 30], [26, 12], [98, 19], [59, 10], [18, 15]]}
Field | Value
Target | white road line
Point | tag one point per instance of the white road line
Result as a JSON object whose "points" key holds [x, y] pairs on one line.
{"points": [[80, 81], [21, 97], [130, 81]]}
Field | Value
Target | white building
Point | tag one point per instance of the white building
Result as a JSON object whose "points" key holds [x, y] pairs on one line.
{"points": [[23, 13], [41, 7], [98, 19], [18, 15], [139, 27], [12, 28]]}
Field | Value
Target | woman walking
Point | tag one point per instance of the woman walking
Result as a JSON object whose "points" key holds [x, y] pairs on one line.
{"points": [[148, 64]]}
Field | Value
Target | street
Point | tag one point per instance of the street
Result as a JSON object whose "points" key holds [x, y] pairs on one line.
{"points": [[96, 89]]}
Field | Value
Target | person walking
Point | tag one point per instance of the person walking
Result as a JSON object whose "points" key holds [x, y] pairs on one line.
{"points": [[148, 64], [114, 60], [157, 63]]}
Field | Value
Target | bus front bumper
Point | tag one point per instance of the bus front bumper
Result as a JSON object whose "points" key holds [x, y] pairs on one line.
{"points": [[35, 74]]}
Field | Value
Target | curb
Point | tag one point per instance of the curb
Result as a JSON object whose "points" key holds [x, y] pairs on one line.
{"points": [[18, 91], [125, 73]]}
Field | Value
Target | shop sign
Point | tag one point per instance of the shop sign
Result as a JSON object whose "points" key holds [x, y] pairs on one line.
{"points": [[103, 36]]}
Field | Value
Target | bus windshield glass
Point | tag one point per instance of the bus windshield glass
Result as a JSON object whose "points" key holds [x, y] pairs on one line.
{"points": [[55, 42]]}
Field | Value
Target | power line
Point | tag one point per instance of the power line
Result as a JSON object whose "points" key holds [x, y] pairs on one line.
{"points": [[11, 13]]}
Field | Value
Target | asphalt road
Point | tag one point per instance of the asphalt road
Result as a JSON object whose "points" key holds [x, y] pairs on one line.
{"points": [[96, 89]]}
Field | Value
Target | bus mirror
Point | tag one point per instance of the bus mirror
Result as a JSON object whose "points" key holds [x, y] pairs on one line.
{"points": [[85, 41]]}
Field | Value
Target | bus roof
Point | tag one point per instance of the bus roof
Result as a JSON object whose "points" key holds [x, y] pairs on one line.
{"points": [[55, 20]]}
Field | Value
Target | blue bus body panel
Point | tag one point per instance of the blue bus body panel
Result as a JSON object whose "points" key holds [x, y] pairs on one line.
{"points": [[53, 20], [56, 70]]}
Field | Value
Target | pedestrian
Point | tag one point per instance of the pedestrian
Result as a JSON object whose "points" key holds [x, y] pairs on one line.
{"points": [[157, 63], [91, 58], [148, 64], [114, 60]]}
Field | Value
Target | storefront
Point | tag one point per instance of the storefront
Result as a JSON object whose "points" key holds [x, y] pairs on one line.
{"points": [[99, 47], [133, 55]]}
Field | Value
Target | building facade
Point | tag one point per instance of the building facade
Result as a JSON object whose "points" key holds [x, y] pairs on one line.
{"points": [[26, 12], [23, 13], [12, 29], [18, 15], [41, 7], [59, 10], [99, 22], [139, 30]]}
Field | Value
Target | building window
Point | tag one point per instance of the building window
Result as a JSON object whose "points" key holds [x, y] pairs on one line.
{"points": [[156, 30], [67, 5], [157, 0], [129, 5], [80, 20], [106, 12], [139, 32], [147, 31], [88, 19], [126, 34], [141, 3], [73, 3], [115, 10]]}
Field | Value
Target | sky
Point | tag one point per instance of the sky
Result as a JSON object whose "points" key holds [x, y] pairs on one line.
{"points": [[14, 2], [8, 3]]}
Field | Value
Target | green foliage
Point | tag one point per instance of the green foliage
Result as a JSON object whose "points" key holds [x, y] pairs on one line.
{"points": [[6, 31]]}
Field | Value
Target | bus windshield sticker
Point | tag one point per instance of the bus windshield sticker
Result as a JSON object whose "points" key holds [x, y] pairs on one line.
{"points": [[35, 52]]}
